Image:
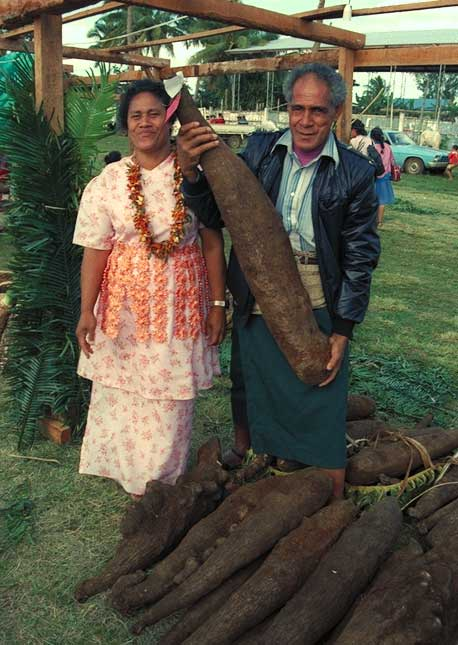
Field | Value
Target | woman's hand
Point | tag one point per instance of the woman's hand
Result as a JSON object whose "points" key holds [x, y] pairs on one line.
{"points": [[85, 332], [193, 140], [338, 345], [216, 325]]}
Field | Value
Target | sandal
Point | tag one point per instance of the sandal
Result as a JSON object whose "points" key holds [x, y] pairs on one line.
{"points": [[288, 465], [233, 458]]}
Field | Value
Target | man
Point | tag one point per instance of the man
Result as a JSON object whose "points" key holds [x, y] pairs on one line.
{"points": [[452, 162], [324, 192]]}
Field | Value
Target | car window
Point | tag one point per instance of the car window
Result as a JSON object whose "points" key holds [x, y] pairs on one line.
{"points": [[401, 139]]}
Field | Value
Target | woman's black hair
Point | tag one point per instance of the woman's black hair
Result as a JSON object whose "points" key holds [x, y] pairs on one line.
{"points": [[156, 88], [378, 136], [359, 128]]}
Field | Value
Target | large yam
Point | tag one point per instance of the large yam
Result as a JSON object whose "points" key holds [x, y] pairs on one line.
{"points": [[156, 523], [393, 459], [359, 406], [437, 496], [277, 580], [139, 589], [445, 532], [207, 606], [411, 602], [342, 574], [260, 241], [279, 515]]}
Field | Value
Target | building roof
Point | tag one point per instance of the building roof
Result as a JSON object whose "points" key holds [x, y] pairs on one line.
{"points": [[375, 39]]}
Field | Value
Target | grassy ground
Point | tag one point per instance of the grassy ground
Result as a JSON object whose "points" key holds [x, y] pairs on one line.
{"points": [[412, 320]]}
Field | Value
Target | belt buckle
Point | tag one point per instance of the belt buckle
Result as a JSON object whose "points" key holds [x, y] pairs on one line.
{"points": [[303, 259]]}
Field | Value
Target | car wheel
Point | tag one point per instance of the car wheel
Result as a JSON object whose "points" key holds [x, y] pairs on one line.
{"points": [[414, 166], [234, 141]]}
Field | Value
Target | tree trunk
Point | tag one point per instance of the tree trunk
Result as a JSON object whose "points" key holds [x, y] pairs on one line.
{"points": [[264, 252]]}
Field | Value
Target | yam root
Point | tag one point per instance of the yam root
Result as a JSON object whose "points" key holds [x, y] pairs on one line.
{"points": [[359, 407], [260, 240], [366, 428], [278, 515], [255, 469], [445, 532], [430, 521], [410, 602], [437, 497], [131, 592], [208, 605], [156, 523], [277, 580], [341, 575], [393, 459]]}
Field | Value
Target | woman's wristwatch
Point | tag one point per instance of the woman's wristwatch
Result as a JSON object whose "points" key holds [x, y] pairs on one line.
{"points": [[218, 303]]}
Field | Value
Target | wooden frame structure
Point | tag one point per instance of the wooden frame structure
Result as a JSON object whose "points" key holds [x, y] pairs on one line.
{"points": [[348, 52]]}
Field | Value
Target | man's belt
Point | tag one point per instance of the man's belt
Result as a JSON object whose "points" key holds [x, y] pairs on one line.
{"points": [[305, 258]]}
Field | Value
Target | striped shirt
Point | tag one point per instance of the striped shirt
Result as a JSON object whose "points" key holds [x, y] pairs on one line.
{"points": [[294, 200]]}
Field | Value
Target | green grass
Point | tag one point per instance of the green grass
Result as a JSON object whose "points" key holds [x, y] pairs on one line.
{"points": [[71, 527]]}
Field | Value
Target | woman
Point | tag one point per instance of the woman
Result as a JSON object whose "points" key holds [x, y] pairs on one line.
{"points": [[359, 139], [148, 330], [383, 186]]}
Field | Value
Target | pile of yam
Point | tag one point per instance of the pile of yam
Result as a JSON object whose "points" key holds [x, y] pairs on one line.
{"points": [[250, 558]]}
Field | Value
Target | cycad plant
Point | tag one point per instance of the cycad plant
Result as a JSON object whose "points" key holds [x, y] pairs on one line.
{"points": [[47, 174]]}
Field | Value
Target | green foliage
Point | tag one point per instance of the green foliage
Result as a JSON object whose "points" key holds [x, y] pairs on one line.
{"points": [[428, 84], [375, 97], [403, 388], [47, 174]]}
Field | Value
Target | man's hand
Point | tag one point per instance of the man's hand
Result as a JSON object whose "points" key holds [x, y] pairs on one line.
{"points": [[85, 332], [338, 345], [193, 140], [216, 325]]}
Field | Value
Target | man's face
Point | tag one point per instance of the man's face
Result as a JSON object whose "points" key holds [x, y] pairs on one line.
{"points": [[311, 113]]}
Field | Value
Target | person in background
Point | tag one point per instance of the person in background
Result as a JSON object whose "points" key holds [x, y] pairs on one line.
{"points": [[359, 137], [383, 186], [324, 193], [152, 303], [112, 156], [452, 162]]}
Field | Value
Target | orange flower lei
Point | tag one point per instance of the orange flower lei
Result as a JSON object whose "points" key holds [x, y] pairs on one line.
{"points": [[134, 184]]}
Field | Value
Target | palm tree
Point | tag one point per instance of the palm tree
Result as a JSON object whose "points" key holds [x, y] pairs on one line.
{"points": [[157, 24]]}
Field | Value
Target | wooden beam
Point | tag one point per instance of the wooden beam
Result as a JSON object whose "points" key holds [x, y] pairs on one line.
{"points": [[91, 54], [19, 12], [420, 55], [253, 65], [49, 79], [346, 66], [109, 6], [411, 6], [255, 18]]}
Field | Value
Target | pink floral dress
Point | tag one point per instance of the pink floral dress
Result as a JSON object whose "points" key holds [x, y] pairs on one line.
{"points": [[150, 351]]}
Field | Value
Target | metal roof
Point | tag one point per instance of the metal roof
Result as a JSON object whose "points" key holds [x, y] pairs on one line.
{"points": [[374, 39]]}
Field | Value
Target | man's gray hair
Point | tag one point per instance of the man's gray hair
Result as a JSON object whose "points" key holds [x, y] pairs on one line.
{"points": [[328, 75]]}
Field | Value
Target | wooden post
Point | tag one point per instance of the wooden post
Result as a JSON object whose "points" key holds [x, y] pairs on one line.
{"points": [[346, 66], [49, 80]]}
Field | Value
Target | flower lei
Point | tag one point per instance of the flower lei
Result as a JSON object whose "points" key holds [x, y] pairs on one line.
{"points": [[134, 184]]}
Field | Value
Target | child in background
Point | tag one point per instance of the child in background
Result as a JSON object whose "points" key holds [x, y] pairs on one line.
{"points": [[452, 162]]}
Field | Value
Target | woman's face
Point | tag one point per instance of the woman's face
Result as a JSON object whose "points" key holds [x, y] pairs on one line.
{"points": [[146, 124]]}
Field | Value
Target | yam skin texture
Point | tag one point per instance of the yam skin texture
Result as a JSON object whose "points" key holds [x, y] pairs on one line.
{"points": [[366, 428], [140, 589], [264, 252], [437, 497], [278, 515], [445, 532], [156, 523], [443, 513], [392, 459], [342, 574], [359, 407], [412, 601], [279, 578], [207, 606]]}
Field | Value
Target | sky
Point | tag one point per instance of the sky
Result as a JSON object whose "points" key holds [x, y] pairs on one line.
{"points": [[76, 32]]}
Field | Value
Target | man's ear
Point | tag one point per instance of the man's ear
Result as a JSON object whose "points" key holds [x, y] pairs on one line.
{"points": [[339, 110]]}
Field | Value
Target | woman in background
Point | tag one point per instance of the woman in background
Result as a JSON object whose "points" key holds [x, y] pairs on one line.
{"points": [[383, 186]]}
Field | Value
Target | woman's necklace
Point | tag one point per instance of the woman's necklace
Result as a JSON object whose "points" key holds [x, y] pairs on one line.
{"points": [[134, 185]]}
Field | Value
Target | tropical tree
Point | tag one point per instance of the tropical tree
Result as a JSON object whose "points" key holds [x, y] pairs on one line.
{"points": [[431, 84], [375, 97], [47, 174], [157, 24]]}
